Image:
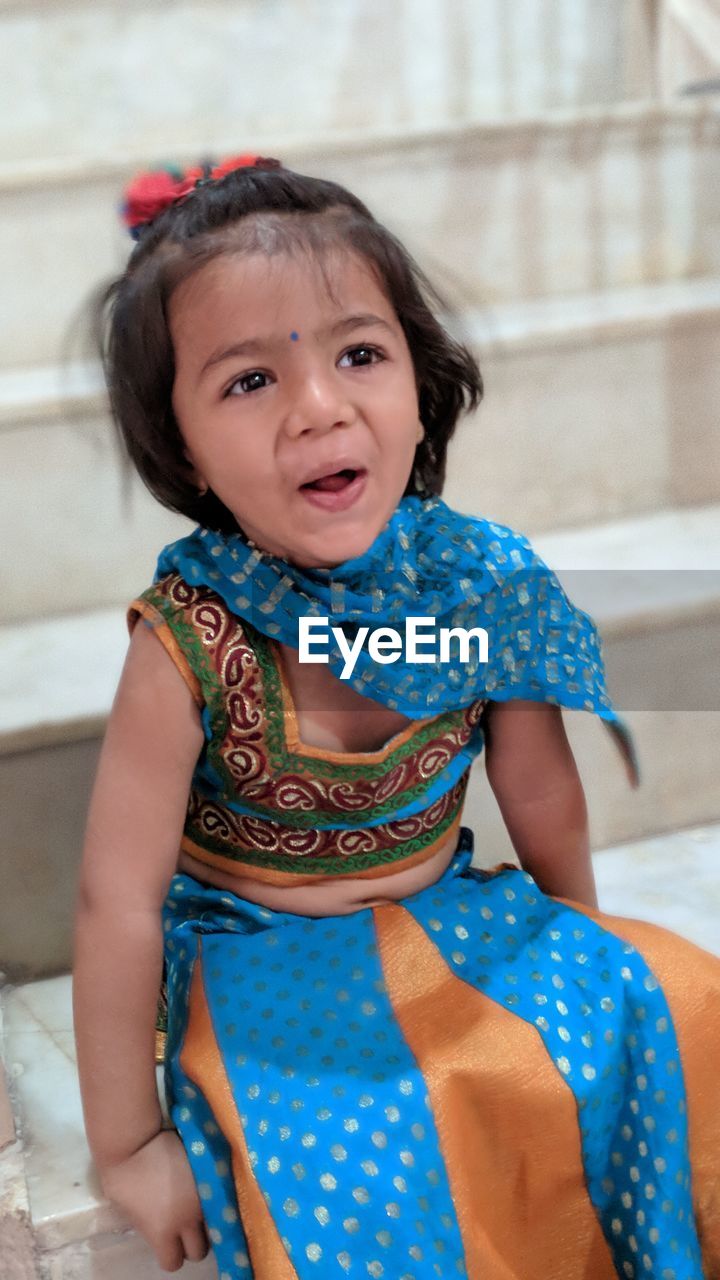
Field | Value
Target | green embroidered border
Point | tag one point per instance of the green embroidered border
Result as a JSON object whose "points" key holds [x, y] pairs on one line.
{"points": [[308, 821], [337, 769], [194, 650], [334, 864], [331, 769], [280, 756]]}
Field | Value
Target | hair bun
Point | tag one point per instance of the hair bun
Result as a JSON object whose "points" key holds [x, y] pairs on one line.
{"points": [[152, 191]]}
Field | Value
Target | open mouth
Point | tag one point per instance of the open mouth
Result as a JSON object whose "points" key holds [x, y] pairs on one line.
{"points": [[333, 483]]}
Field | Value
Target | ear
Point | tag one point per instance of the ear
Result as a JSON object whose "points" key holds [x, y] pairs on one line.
{"points": [[420, 434]]}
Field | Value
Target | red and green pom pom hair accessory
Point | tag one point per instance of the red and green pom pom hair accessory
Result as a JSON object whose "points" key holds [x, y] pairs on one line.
{"points": [[154, 190]]}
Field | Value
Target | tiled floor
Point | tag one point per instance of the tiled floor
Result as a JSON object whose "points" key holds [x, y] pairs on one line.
{"points": [[65, 1198], [673, 880]]}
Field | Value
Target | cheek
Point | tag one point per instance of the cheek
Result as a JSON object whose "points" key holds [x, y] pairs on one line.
{"points": [[239, 465]]}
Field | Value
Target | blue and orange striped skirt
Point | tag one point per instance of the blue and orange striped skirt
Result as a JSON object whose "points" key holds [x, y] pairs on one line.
{"points": [[476, 1081]]}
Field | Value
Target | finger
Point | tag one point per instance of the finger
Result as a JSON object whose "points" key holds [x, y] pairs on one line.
{"points": [[170, 1254], [195, 1243]]}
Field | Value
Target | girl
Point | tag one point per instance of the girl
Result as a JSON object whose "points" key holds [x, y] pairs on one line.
{"points": [[379, 1060]]}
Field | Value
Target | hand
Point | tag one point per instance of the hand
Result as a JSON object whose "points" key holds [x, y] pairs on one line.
{"points": [[154, 1188]]}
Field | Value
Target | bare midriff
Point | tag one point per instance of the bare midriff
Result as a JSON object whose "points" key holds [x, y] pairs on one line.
{"points": [[332, 895], [332, 716]]}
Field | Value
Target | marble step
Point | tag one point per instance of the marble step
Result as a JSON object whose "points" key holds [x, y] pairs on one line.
{"points": [[652, 583], [107, 75], [569, 202], [597, 406], [672, 880]]}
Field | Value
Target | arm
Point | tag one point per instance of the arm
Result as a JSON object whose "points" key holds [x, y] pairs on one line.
{"points": [[533, 775], [133, 834]]}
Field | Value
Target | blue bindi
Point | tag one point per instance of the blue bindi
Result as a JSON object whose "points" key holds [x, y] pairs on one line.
{"points": [[294, 336]]}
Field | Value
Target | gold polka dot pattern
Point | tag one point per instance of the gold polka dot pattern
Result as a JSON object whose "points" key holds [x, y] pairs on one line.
{"points": [[336, 1115]]}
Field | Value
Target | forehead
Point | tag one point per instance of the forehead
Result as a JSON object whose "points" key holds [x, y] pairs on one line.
{"points": [[254, 293]]}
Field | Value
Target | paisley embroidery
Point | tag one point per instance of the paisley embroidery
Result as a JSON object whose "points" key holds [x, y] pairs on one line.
{"points": [[257, 801]]}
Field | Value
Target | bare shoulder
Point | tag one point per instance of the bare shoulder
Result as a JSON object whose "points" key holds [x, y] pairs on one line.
{"points": [[519, 716], [137, 813], [525, 745], [152, 683]]}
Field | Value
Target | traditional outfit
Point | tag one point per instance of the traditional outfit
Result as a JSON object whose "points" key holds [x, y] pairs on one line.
{"points": [[478, 1080]]}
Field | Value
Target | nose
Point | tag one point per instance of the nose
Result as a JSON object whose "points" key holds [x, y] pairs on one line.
{"points": [[317, 400]]}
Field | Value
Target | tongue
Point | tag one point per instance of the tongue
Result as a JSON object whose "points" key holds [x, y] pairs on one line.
{"points": [[332, 483]]}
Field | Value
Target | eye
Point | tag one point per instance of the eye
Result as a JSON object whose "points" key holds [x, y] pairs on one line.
{"points": [[360, 356], [255, 380]]}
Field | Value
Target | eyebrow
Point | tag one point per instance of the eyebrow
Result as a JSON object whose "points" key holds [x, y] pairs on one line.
{"points": [[253, 346]]}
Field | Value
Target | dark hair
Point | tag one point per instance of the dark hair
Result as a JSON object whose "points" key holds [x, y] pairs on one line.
{"points": [[261, 208]]}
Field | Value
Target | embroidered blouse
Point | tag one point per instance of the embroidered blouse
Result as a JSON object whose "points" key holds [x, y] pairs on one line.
{"points": [[264, 804]]}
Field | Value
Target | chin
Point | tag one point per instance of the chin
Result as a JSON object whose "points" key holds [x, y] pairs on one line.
{"points": [[336, 541], [328, 559], [324, 552], [351, 545]]}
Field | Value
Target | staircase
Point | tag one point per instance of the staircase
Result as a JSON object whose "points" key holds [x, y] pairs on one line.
{"points": [[562, 190]]}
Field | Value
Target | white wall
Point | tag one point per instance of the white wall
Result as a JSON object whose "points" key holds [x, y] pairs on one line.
{"points": [[79, 78]]}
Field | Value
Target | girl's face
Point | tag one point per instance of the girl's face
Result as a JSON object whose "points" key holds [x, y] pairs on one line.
{"points": [[279, 384]]}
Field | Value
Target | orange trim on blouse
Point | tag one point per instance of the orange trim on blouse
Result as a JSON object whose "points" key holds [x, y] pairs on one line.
{"points": [[295, 878], [292, 728], [154, 619], [263, 804]]}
